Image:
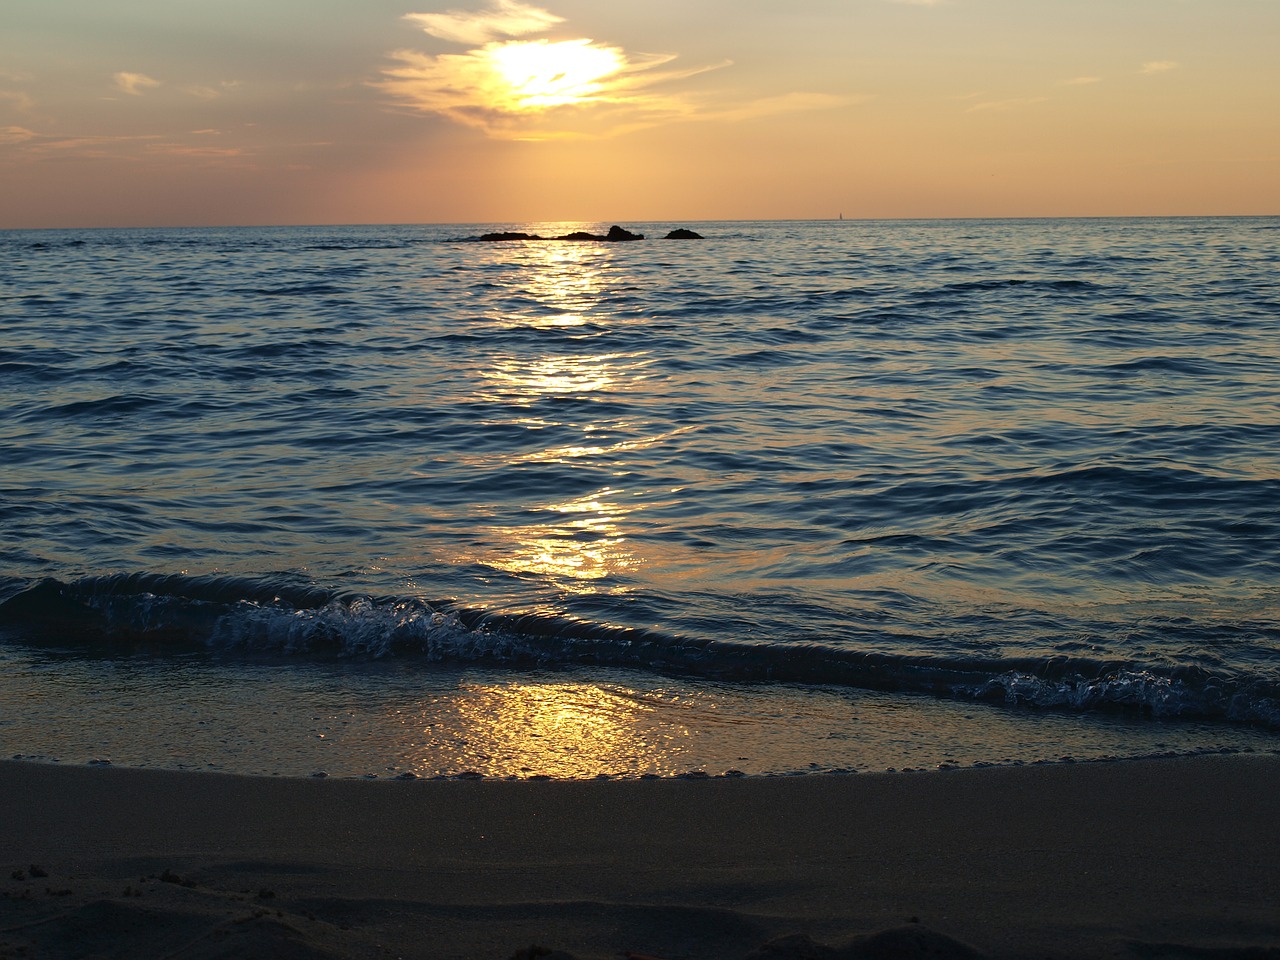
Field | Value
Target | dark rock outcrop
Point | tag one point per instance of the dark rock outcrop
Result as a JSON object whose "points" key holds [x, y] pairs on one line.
{"points": [[500, 237], [616, 234]]}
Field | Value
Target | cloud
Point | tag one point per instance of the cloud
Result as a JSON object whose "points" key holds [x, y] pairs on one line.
{"points": [[1013, 103], [513, 85], [1081, 81], [134, 83], [35, 146], [20, 100], [513, 89], [16, 135], [505, 19], [786, 103], [1158, 66], [197, 152]]}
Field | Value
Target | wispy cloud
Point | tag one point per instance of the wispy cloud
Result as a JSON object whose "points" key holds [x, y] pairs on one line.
{"points": [[1013, 103], [786, 103], [507, 18], [1081, 81], [20, 101], [1158, 66], [196, 152], [134, 83], [10, 135], [33, 146]]}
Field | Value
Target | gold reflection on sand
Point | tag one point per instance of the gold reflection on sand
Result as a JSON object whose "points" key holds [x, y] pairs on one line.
{"points": [[564, 729]]}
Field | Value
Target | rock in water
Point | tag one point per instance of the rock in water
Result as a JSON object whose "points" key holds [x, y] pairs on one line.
{"points": [[617, 233], [683, 234], [501, 237]]}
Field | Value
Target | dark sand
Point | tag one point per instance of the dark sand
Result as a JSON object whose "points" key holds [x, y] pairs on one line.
{"points": [[1159, 858]]}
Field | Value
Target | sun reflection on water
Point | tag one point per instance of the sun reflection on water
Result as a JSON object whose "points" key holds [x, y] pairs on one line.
{"points": [[567, 282], [583, 540], [578, 545], [526, 380]]}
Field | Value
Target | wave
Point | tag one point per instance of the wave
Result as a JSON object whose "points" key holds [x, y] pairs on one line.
{"points": [[297, 290], [158, 615]]}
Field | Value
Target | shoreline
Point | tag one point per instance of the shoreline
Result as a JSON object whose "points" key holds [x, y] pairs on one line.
{"points": [[1150, 857], [381, 718]]}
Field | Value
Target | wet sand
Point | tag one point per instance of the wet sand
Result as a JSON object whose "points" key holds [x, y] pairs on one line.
{"points": [[1150, 858]]}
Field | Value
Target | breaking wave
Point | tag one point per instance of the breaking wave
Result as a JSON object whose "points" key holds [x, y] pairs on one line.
{"points": [[158, 615]]}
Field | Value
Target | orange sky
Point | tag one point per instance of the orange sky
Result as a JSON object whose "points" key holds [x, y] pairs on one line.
{"points": [[172, 112]]}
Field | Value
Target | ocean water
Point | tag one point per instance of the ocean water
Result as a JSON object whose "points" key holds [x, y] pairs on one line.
{"points": [[794, 497]]}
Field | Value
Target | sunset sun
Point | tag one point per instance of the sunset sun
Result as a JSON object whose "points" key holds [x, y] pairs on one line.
{"points": [[539, 74]]}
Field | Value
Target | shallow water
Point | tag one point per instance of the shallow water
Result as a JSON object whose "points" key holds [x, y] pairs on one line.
{"points": [[1000, 477], [389, 719]]}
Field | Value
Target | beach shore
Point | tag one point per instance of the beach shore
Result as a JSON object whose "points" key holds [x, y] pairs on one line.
{"points": [[1143, 858]]}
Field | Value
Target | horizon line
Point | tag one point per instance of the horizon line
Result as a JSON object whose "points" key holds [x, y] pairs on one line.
{"points": [[835, 219]]}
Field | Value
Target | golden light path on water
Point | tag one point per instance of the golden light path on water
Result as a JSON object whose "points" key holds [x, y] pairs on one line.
{"points": [[578, 541], [579, 544], [587, 544]]}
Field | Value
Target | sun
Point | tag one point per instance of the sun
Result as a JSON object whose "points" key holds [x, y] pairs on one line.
{"points": [[539, 74]]}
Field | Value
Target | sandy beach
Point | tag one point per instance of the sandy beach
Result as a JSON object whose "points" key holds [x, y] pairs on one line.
{"points": [[1150, 858]]}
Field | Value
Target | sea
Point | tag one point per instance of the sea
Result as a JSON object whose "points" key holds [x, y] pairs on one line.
{"points": [[794, 498]]}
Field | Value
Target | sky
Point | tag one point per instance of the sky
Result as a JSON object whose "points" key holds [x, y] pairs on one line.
{"points": [[191, 112]]}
